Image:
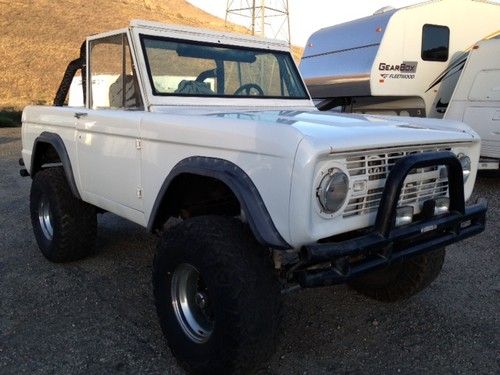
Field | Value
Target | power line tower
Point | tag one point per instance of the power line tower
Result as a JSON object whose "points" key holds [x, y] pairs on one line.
{"points": [[269, 18]]}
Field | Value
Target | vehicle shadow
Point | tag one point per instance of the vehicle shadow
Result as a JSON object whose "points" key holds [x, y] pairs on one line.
{"points": [[489, 174]]}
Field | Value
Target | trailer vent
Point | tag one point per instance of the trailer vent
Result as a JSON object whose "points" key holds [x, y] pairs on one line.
{"points": [[420, 185], [384, 10]]}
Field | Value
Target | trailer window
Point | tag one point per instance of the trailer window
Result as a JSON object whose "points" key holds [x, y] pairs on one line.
{"points": [[435, 43]]}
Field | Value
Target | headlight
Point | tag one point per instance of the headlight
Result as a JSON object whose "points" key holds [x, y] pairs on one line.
{"points": [[332, 190], [466, 165]]}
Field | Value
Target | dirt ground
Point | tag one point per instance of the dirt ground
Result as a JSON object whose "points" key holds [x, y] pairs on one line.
{"points": [[97, 315]]}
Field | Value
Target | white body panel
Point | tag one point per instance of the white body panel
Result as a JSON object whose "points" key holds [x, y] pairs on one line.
{"points": [[281, 144], [107, 138], [281, 151]]}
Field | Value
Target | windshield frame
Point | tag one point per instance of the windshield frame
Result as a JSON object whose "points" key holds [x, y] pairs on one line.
{"points": [[286, 55]]}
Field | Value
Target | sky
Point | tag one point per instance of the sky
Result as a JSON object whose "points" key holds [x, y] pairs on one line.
{"points": [[307, 16]]}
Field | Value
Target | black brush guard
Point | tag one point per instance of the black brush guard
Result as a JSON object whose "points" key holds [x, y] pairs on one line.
{"points": [[387, 244]]}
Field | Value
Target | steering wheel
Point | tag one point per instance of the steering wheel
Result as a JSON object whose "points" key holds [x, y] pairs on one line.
{"points": [[211, 73], [247, 87]]}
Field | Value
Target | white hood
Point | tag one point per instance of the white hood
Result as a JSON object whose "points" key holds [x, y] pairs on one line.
{"points": [[339, 132]]}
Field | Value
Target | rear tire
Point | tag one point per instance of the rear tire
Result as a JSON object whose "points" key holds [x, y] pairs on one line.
{"points": [[65, 227], [230, 316], [402, 280]]}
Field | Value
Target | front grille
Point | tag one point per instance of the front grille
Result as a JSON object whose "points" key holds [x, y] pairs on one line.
{"points": [[373, 168]]}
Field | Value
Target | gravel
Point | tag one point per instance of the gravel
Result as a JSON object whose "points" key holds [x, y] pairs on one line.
{"points": [[98, 316]]}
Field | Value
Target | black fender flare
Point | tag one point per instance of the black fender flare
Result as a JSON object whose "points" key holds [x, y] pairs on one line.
{"points": [[58, 144], [242, 186]]}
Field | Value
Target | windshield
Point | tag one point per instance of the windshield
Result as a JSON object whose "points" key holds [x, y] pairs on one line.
{"points": [[194, 69]]}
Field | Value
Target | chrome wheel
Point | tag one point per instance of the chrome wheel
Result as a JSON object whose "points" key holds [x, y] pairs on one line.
{"points": [[44, 217], [191, 303]]}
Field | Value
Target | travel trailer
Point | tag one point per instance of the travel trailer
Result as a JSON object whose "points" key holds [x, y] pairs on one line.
{"points": [[408, 61]]}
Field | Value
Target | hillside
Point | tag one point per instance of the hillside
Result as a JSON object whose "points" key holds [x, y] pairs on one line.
{"points": [[40, 37]]}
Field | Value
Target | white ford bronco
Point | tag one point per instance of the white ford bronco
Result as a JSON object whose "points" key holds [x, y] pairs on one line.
{"points": [[211, 141]]}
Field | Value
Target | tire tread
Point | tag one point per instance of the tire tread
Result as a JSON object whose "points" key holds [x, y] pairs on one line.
{"points": [[253, 293], [403, 280], [75, 220]]}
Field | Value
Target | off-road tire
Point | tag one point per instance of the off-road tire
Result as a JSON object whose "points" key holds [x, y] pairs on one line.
{"points": [[241, 281], [74, 222], [402, 280]]}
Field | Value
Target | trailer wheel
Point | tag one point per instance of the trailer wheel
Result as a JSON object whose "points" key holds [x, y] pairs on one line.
{"points": [[65, 227], [402, 280], [216, 295]]}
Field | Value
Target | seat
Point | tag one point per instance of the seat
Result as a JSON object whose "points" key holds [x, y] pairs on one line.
{"points": [[132, 96], [194, 87]]}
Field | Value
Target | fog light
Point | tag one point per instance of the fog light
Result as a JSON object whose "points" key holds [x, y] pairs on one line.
{"points": [[404, 215], [442, 206]]}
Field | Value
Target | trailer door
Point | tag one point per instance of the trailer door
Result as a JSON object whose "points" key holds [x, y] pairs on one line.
{"points": [[485, 118], [476, 100]]}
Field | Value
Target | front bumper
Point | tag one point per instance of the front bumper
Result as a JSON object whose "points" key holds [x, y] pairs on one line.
{"points": [[387, 244]]}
